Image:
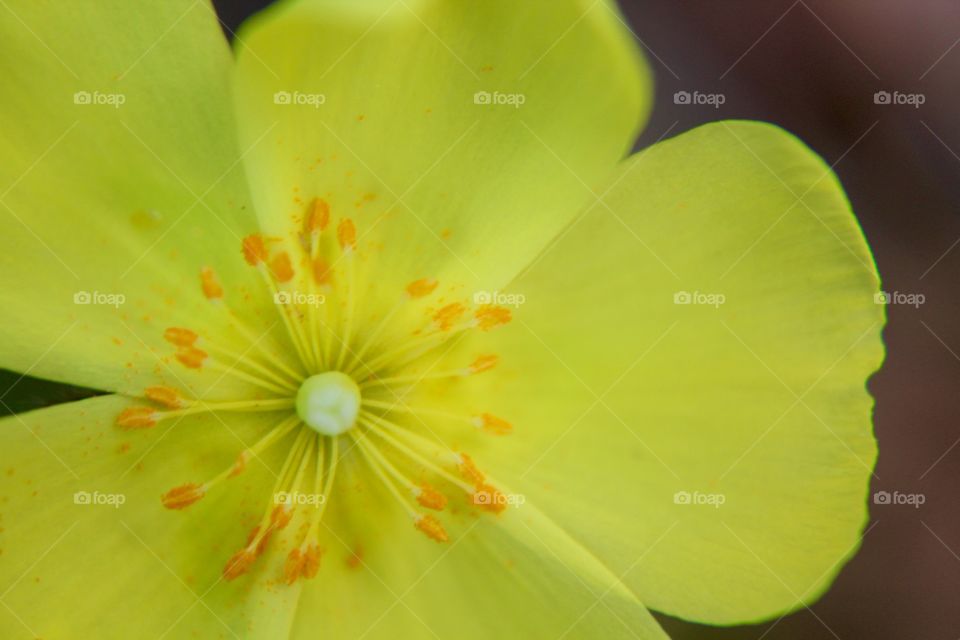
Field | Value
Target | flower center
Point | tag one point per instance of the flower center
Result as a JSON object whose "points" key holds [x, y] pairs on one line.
{"points": [[329, 402], [345, 394]]}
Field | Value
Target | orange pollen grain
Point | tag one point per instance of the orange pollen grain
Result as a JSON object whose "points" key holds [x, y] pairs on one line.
{"points": [[431, 498], [447, 316], [281, 267], [493, 424], [183, 496], [254, 249], [210, 284], [319, 216], [489, 316], [422, 287], [321, 271], [346, 234], [164, 395], [191, 357], [432, 527], [484, 363], [180, 337], [137, 418], [239, 564], [470, 471]]}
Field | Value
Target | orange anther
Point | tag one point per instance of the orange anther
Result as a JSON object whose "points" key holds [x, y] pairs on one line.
{"points": [[180, 337], [431, 498], [191, 357], [210, 284], [293, 566], [319, 215], [240, 464], [489, 498], [239, 564], [137, 418], [281, 515], [311, 561], [164, 395], [492, 424], [484, 363], [447, 316], [432, 527], [254, 249], [489, 316], [470, 471], [422, 287], [321, 271], [281, 267], [347, 234], [183, 496]]}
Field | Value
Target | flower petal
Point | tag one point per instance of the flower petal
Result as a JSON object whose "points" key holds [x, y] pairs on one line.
{"points": [[90, 552], [512, 575], [406, 117], [726, 441], [119, 180]]}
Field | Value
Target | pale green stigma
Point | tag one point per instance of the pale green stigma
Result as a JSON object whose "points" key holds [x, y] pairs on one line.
{"points": [[329, 402]]}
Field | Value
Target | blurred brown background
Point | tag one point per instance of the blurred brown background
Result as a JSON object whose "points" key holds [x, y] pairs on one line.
{"points": [[814, 67]]}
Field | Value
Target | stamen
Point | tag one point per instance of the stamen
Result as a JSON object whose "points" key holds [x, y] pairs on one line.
{"points": [[137, 418], [210, 284], [166, 396], [180, 337], [432, 527], [421, 288], [254, 249], [319, 216], [492, 424], [281, 267], [489, 316], [191, 357], [446, 317]]}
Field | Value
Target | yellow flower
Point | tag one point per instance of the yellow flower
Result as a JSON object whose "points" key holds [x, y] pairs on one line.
{"points": [[395, 343]]}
